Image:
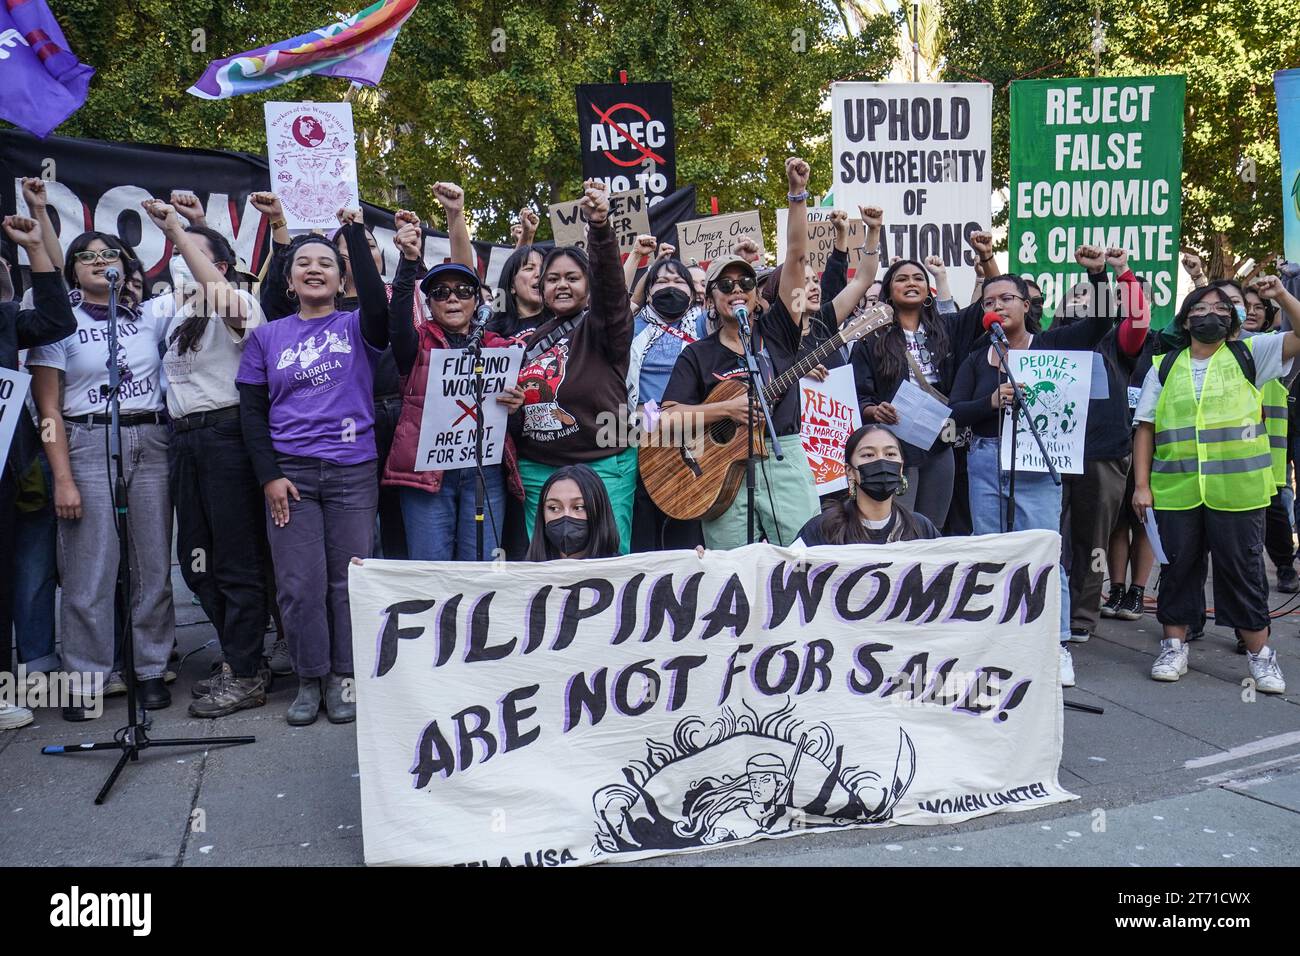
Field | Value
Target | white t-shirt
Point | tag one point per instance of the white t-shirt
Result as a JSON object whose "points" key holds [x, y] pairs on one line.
{"points": [[83, 358], [914, 349], [203, 379], [1268, 366]]}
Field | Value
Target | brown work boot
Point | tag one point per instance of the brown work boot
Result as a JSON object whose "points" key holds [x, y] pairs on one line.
{"points": [[229, 694]]}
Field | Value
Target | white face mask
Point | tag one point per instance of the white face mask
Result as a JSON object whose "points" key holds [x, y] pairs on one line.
{"points": [[181, 274]]}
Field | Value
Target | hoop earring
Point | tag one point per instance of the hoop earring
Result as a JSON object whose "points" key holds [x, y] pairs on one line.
{"points": [[290, 293], [929, 301]]}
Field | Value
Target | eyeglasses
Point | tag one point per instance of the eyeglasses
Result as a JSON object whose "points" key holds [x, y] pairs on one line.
{"points": [[441, 293], [1004, 299], [103, 255], [1210, 310], [728, 285]]}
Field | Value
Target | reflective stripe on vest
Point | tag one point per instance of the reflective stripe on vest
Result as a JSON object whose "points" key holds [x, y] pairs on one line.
{"points": [[1215, 450], [1273, 408]]}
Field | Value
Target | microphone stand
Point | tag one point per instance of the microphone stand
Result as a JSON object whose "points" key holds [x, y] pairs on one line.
{"points": [[757, 400], [134, 737], [1018, 408], [474, 348]]}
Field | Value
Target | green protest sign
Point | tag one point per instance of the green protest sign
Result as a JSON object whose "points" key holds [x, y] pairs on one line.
{"points": [[1097, 161]]}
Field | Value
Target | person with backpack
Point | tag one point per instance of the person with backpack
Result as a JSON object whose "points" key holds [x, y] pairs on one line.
{"points": [[1203, 462]]}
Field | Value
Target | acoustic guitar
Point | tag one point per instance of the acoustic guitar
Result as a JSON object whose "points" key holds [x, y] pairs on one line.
{"points": [[697, 474]]}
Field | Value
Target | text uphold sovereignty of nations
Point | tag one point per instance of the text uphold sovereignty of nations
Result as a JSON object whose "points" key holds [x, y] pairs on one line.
{"points": [[668, 608]]}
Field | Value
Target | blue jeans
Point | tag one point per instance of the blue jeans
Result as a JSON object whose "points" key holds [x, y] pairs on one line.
{"points": [[1038, 504], [34, 582], [440, 527]]}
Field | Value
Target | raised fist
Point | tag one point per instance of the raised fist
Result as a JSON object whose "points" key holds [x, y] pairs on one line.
{"points": [[187, 205], [1090, 257], [34, 193], [26, 232], [872, 216], [268, 204], [797, 172], [450, 196], [595, 202]]}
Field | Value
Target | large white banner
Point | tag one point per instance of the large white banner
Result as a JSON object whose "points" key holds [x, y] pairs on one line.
{"points": [[923, 153], [574, 712], [1057, 386], [448, 426], [312, 153]]}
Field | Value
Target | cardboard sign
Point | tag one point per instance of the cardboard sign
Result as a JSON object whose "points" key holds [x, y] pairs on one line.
{"points": [[447, 430], [628, 215], [922, 152], [311, 151], [566, 712], [1097, 161], [715, 236], [821, 238]]}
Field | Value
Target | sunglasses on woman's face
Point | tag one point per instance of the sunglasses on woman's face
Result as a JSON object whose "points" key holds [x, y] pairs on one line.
{"points": [[744, 283], [441, 293], [103, 255]]}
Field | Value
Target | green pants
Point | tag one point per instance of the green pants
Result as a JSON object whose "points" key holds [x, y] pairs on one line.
{"points": [[785, 499], [617, 472]]}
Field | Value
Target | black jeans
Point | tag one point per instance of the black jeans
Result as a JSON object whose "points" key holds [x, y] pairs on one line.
{"points": [[220, 542], [652, 530], [8, 544], [392, 530]]}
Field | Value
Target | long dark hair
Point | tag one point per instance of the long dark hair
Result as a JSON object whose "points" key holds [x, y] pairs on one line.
{"points": [[509, 272], [887, 346], [602, 530], [189, 332], [842, 524], [82, 243]]}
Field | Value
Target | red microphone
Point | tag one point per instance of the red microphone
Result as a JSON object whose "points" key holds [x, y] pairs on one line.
{"points": [[993, 326]]}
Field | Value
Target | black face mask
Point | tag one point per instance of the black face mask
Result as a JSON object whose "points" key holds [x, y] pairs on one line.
{"points": [[566, 535], [671, 302], [1210, 328], [880, 479]]}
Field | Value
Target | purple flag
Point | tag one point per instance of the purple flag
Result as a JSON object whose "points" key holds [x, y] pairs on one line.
{"points": [[41, 82]]}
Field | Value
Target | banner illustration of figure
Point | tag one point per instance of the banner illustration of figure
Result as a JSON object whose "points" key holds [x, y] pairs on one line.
{"points": [[811, 788]]}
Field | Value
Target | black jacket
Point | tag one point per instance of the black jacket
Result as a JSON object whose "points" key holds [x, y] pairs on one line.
{"points": [[50, 320]]}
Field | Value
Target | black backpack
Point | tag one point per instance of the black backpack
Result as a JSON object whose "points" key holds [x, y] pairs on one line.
{"points": [[1240, 351]]}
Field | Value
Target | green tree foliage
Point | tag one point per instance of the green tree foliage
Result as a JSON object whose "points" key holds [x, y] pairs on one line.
{"points": [[1228, 49], [482, 92]]}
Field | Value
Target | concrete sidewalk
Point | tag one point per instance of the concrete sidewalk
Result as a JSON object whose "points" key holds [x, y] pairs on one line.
{"points": [[1186, 773]]}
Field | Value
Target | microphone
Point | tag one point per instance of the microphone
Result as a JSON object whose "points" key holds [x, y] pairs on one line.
{"points": [[993, 326], [742, 317], [113, 277], [482, 315]]}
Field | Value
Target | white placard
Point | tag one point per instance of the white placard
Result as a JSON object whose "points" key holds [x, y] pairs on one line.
{"points": [[13, 392], [568, 712], [830, 415], [923, 153], [311, 150], [1058, 386], [447, 428]]}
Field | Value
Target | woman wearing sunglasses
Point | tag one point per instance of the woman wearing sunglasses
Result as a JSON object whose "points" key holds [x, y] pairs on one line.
{"points": [[306, 406], [70, 386], [980, 399], [574, 377], [439, 506]]}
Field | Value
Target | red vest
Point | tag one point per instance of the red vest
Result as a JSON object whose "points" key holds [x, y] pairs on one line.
{"points": [[399, 470]]}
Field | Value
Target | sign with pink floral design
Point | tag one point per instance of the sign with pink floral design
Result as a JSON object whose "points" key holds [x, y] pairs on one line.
{"points": [[312, 154]]}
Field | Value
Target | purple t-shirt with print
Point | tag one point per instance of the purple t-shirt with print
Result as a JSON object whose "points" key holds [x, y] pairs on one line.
{"points": [[320, 374]]}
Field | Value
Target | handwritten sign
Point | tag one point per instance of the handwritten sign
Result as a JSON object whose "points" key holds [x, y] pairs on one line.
{"points": [[1058, 385], [13, 392], [628, 215], [830, 415], [715, 236], [447, 435]]}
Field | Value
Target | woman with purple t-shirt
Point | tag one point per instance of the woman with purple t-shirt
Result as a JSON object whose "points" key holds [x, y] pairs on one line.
{"points": [[308, 418]]}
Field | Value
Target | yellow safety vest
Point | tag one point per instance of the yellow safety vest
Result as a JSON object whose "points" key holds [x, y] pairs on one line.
{"points": [[1213, 451], [1273, 407]]}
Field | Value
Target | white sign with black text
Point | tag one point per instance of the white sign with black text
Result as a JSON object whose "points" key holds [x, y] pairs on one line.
{"points": [[13, 392], [447, 430]]}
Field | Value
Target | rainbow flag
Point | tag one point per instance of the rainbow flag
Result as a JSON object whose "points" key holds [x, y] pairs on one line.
{"points": [[356, 49]]}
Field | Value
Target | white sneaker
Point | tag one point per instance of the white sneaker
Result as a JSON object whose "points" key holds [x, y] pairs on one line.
{"points": [[1067, 667], [1172, 662], [11, 717], [1268, 675]]}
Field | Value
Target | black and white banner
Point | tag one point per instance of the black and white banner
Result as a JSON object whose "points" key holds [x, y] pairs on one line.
{"points": [[93, 184], [626, 134], [574, 712]]}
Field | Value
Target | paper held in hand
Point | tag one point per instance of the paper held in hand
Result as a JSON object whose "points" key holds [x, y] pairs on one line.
{"points": [[921, 416], [447, 428]]}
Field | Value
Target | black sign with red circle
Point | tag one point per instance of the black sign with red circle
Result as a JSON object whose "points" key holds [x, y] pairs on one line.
{"points": [[626, 136]]}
